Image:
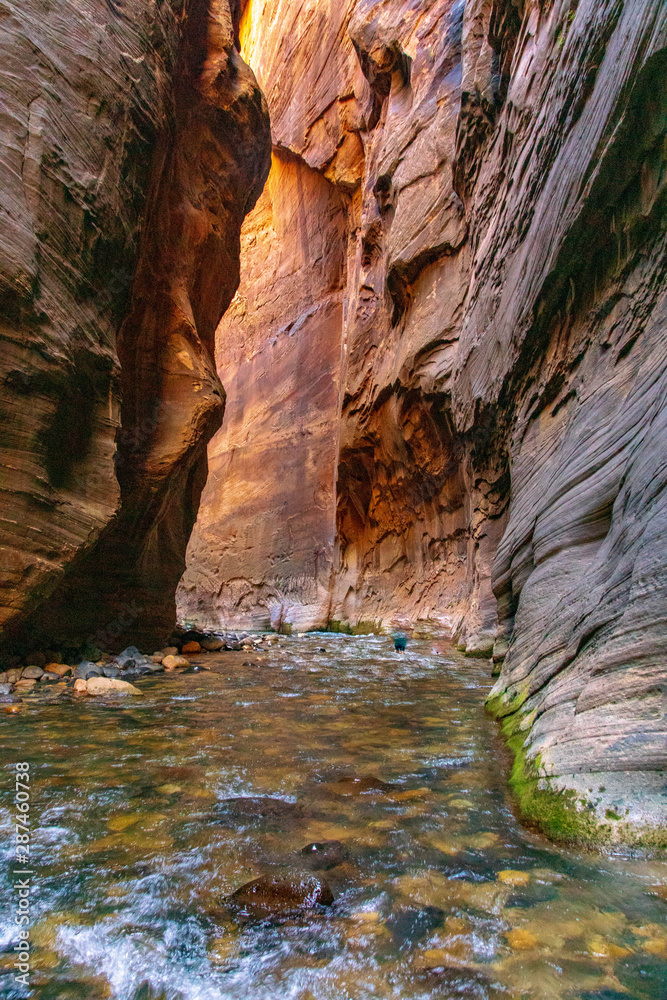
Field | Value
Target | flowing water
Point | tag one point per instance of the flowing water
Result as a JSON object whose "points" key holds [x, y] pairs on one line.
{"points": [[439, 892]]}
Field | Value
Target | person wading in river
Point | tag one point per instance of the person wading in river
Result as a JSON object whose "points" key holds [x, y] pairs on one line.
{"points": [[400, 642]]}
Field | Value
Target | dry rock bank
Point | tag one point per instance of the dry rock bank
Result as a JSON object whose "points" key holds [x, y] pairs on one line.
{"points": [[446, 368]]}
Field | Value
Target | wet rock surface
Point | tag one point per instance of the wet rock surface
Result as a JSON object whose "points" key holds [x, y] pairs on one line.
{"points": [[279, 897], [324, 855]]}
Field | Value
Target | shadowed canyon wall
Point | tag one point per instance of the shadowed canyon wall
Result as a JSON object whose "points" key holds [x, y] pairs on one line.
{"points": [[456, 414], [134, 142]]}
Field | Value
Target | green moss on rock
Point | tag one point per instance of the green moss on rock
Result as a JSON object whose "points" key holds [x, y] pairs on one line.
{"points": [[560, 814]]}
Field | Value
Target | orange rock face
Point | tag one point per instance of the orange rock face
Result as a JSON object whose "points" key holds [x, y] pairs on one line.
{"points": [[343, 494], [190, 184], [269, 522]]}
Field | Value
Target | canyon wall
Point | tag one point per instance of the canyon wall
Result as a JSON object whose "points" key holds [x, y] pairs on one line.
{"points": [[134, 142], [476, 352]]}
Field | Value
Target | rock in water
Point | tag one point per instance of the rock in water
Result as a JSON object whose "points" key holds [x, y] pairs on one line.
{"points": [[257, 809], [191, 647], [109, 685], [275, 898], [86, 670], [360, 785], [212, 644], [32, 673], [172, 662], [324, 855]]}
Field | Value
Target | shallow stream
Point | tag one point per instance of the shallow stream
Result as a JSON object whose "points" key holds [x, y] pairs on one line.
{"points": [[439, 892]]}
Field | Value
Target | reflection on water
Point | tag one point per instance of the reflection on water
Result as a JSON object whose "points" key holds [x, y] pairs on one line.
{"points": [[438, 891]]}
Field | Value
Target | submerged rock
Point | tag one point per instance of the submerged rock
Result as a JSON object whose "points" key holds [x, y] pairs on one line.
{"points": [[324, 855], [356, 785], [258, 808], [272, 897]]}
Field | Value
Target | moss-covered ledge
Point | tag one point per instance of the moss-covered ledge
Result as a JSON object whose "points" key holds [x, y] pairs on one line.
{"points": [[568, 815]]}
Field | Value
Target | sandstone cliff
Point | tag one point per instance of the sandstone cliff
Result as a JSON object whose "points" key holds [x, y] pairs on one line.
{"points": [[454, 372], [134, 142]]}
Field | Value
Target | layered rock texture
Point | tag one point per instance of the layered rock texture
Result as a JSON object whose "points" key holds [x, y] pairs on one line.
{"points": [[135, 140], [446, 368]]}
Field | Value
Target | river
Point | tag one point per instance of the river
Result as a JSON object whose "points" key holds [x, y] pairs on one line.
{"points": [[149, 812]]}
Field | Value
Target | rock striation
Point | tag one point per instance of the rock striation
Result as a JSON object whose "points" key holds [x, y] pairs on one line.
{"points": [[135, 141], [475, 350]]}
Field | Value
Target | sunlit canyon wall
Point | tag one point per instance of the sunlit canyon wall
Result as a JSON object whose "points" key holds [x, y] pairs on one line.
{"points": [[446, 366], [134, 141]]}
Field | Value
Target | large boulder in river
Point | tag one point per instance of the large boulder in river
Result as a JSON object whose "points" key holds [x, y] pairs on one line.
{"points": [[274, 897]]}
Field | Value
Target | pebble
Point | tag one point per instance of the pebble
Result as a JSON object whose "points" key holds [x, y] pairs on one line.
{"points": [[129, 653], [58, 668]]}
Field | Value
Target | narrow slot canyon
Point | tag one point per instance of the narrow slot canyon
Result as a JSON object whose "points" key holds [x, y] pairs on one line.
{"points": [[333, 506]]}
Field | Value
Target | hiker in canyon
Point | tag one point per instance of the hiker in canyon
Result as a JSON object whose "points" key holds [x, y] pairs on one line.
{"points": [[400, 642]]}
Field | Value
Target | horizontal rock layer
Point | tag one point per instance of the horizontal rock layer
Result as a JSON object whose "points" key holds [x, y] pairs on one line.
{"points": [[486, 409]]}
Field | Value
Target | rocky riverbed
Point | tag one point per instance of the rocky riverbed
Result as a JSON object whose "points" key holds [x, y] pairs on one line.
{"points": [[113, 675], [319, 818]]}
